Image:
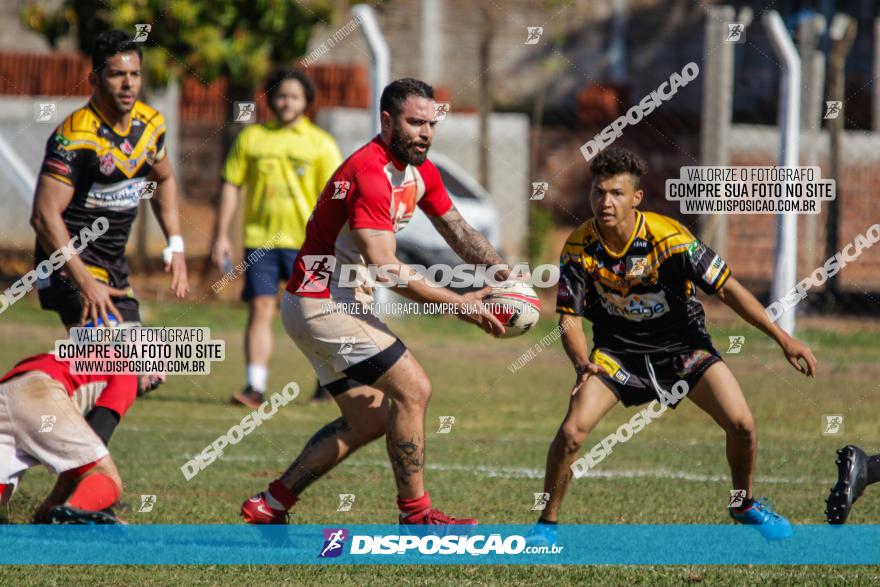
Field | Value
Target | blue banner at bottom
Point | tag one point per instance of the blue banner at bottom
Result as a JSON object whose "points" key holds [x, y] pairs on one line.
{"points": [[391, 544]]}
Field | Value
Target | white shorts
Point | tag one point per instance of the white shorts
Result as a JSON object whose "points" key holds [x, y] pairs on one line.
{"points": [[39, 423], [346, 345]]}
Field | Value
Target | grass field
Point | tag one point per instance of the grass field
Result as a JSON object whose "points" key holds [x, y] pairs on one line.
{"points": [[491, 463]]}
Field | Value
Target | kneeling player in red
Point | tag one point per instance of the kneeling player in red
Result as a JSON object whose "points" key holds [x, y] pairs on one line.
{"points": [[43, 409], [634, 275]]}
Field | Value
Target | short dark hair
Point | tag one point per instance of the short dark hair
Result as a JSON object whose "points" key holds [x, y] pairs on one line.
{"points": [[282, 74], [110, 43], [396, 93], [615, 161]]}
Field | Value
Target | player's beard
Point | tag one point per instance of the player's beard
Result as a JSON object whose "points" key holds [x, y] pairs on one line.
{"points": [[404, 149]]}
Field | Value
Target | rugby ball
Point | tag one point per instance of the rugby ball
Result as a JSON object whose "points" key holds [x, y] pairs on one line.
{"points": [[516, 305]]}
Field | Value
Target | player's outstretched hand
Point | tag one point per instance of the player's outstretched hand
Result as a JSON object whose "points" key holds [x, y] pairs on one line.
{"points": [[179, 281], [584, 372], [97, 303], [794, 351], [475, 312]]}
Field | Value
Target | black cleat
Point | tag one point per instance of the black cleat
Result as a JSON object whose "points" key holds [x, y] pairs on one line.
{"points": [[852, 478], [65, 514]]}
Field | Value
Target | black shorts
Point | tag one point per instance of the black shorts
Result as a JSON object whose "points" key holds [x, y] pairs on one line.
{"points": [[60, 294], [635, 378]]}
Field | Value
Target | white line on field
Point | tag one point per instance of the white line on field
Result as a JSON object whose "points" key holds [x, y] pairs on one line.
{"points": [[529, 473]]}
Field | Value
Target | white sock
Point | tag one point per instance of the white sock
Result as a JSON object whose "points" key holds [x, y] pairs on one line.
{"points": [[257, 377]]}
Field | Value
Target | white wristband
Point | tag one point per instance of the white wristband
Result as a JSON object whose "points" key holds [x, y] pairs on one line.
{"points": [[175, 245]]}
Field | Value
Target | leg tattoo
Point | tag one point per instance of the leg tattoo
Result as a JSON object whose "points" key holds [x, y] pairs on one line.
{"points": [[297, 476], [407, 458]]}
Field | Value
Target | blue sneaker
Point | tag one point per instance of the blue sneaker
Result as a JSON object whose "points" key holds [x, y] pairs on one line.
{"points": [[771, 525], [541, 534]]}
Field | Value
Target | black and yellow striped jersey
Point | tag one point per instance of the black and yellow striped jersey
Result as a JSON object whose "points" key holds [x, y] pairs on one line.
{"points": [[644, 298], [108, 170]]}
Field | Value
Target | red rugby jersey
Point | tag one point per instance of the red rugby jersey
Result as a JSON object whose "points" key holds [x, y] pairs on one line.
{"points": [[371, 189], [116, 392]]}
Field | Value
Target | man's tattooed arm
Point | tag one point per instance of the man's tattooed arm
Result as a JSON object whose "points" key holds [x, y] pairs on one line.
{"points": [[465, 240]]}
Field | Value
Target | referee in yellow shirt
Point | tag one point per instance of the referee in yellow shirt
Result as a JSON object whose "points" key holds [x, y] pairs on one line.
{"points": [[281, 167]]}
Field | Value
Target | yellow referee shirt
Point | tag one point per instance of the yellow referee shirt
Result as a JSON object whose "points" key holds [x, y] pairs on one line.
{"points": [[282, 171]]}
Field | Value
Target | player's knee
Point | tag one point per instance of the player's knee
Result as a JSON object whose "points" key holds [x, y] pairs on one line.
{"points": [[418, 391], [107, 467], [262, 309], [743, 429], [572, 436]]}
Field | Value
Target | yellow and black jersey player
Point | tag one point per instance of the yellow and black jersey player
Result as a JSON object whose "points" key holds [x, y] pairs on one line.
{"points": [[98, 162], [634, 275]]}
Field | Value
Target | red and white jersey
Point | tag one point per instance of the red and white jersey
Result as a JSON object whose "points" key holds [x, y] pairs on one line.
{"points": [[115, 392], [371, 189]]}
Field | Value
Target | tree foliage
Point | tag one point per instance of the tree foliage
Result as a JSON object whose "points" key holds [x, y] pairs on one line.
{"points": [[241, 39]]}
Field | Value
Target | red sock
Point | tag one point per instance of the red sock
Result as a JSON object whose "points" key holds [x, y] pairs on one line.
{"points": [[282, 494], [94, 493], [414, 505]]}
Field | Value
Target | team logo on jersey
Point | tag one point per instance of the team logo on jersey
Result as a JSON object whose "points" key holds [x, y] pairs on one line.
{"points": [[105, 164], [334, 539], [636, 266], [618, 267], [714, 270], [126, 147], [121, 195], [635, 307], [403, 204], [58, 167]]}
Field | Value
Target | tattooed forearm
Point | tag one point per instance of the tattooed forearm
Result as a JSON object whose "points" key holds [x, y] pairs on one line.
{"points": [[407, 457], [465, 240]]}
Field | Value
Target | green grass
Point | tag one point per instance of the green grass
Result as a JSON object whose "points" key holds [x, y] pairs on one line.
{"points": [[490, 464]]}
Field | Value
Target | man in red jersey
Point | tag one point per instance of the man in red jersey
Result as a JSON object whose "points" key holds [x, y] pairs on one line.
{"points": [[42, 409], [357, 358]]}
